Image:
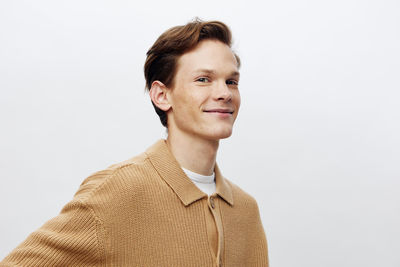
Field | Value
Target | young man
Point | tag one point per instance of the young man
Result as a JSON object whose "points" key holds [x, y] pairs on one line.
{"points": [[169, 206]]}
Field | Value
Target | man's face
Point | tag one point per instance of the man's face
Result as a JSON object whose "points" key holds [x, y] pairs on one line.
{"points": [[205, 99]]}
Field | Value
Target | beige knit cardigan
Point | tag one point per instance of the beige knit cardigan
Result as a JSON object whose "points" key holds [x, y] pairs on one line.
{"points": [[146, 212]]}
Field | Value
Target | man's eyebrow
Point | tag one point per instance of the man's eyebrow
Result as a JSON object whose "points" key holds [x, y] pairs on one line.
{"points": [[235, 73], [208, 71]]}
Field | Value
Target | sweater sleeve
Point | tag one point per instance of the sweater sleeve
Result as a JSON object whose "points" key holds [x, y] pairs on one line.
{"points": [[69, 239]]}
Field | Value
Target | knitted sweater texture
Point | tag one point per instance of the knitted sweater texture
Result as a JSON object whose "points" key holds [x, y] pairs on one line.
{"points": [[146, 212]]}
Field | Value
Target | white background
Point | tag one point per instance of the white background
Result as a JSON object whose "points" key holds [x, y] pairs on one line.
{"points": [[316, 141]]}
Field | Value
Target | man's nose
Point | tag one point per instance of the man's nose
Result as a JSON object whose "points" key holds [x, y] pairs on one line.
{"points": [[223, 93]]}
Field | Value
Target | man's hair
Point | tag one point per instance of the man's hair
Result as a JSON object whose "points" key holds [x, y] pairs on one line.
{"points": [[162, 57]]}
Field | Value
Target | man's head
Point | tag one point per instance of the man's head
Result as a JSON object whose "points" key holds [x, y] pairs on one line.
{"points": [[185, 59]]}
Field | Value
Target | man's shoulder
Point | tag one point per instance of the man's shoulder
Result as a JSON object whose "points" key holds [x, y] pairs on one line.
{"points": [[115, 177], [241, 197]]}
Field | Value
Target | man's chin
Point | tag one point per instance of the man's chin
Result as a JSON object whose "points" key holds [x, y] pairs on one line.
{"points": [[223, 134]]}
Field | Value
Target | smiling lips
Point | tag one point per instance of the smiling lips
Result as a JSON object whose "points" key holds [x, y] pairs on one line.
{"points": [[220, 111]]}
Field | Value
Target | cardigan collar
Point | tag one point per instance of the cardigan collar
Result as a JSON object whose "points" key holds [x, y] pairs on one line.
{"points": [[169, 169]]}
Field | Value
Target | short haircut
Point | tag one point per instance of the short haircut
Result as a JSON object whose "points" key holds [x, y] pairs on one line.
{"points": [[162, 57]]}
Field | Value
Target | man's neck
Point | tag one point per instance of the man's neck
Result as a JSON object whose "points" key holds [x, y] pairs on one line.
{"points": [[193, 153]]}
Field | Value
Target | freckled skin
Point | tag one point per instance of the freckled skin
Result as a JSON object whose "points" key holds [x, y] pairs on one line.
{"points": [[206, 80]]}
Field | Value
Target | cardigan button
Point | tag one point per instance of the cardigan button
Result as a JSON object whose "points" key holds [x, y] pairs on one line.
{"points": [[212, 202]]}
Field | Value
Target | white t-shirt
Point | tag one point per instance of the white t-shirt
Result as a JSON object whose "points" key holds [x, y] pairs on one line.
{"points": [[205, 183]]}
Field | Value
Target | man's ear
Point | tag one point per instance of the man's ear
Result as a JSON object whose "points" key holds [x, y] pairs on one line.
{"points": [[158, 95]]}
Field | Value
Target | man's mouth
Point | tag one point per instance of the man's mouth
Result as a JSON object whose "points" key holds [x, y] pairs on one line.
{"points": [[219, 110]]}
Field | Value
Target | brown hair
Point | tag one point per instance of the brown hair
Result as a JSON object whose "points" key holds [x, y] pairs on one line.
{"points": [[163, 56]]}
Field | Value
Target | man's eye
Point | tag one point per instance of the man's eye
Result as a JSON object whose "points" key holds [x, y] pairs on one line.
{"points": [[203, 80], [232, 82]]}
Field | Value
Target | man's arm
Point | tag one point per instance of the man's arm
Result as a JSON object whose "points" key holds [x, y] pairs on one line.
{"points": [[73, 238]]}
